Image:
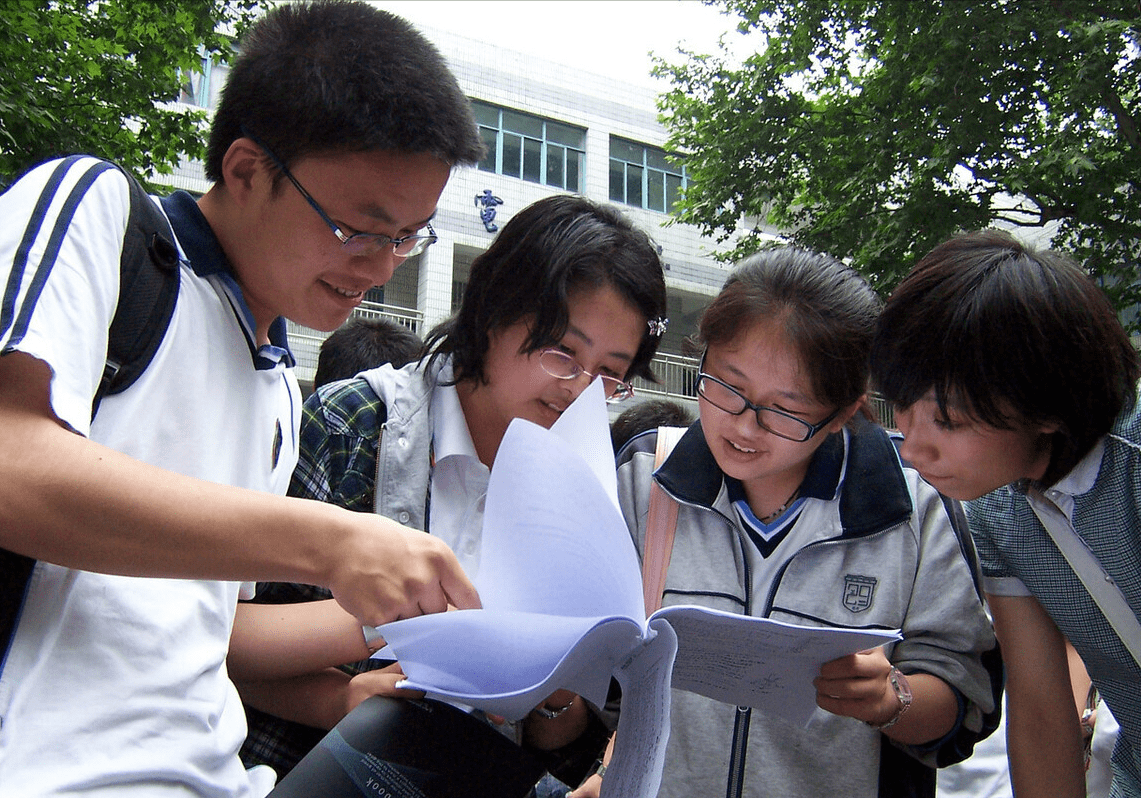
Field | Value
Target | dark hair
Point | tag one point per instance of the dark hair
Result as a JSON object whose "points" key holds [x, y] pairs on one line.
{"points": [[339, 75], [363, 344], [826, 309], [547, 250], [1008, 334], [647, 415]]}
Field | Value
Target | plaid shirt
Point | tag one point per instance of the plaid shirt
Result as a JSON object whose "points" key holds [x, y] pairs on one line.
{"points": [[1012, 542], [340, 426]]}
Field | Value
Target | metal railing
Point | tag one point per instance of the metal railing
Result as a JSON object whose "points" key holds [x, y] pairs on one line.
{"points": [[677, 377], [412, 319]]}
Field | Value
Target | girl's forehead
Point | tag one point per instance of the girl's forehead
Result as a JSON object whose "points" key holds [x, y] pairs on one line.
{"points": [[763, 360], [758, 346]]}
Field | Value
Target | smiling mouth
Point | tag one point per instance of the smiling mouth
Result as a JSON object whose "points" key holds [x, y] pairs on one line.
{"points": [[742, 449], [345, 292]]}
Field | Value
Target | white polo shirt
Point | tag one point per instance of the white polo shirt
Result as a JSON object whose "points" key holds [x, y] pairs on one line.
{"points": [[116, 685]]}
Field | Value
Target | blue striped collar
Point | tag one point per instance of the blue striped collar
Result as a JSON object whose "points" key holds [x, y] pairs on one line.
{"points": [[206, 258]]}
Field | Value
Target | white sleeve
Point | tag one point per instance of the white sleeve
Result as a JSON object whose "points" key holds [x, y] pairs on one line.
{"points": [[60, 247], [1004, 586]]}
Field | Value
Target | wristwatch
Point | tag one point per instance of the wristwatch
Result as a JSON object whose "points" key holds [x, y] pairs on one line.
{"points": [[902, 690], [543, 711]]}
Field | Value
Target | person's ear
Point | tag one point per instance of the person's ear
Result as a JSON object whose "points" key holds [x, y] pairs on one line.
{"points": [[844, 416], [242, 166]]}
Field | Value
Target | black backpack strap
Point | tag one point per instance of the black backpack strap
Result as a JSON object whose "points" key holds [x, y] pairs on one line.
{"points": [[15, 571], [148, 289]]}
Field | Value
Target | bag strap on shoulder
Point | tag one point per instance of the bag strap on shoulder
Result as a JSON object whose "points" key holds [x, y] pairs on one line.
{"points": [[148, 290], [661, 524]]}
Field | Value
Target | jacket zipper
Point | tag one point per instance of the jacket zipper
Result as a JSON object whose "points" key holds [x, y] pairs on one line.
{"points": [[740, 746], [736, 784]]}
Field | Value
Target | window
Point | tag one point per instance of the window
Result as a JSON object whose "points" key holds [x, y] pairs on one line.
{"points": [[204, 87], [531, 148], [644, 176]]}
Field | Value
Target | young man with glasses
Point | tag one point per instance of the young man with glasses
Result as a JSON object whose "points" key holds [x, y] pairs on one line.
{"points": [[568, 292], [140, 524]]}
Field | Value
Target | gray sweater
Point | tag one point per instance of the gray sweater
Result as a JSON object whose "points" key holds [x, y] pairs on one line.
{"points": [[883, 524]]}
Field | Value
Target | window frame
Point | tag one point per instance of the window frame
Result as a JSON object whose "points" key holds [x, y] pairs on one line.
{"points": [[533, 157], [647, 182]]}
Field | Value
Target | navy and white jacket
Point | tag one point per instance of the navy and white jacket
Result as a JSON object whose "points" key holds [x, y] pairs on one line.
{"points": [[893, 554]]}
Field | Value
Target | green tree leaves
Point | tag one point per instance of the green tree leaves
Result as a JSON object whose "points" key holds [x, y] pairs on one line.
{"points": [[874, 129], [99, 78]]}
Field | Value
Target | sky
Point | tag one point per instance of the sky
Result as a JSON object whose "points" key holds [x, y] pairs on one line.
{"points": [[608, 37]]}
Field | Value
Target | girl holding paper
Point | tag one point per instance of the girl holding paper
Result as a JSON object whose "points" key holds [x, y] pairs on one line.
{"points": [[568, 292], [792, 506]]}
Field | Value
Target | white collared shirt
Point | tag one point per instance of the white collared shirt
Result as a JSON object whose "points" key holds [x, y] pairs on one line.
{"points": [[459, 481]]}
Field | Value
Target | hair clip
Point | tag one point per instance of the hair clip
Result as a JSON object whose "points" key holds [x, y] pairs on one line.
{"points": [[658, 326]]}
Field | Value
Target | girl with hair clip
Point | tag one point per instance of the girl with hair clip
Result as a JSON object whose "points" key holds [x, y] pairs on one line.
{"points": [[793, 506], [1015, 387], [568, 292]]}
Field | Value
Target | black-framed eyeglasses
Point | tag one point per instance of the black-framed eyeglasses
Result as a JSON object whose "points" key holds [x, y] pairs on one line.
{"points": [[564, 367], [778, 422], [355, 243]]}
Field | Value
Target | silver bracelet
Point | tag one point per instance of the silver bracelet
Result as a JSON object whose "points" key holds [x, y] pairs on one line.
{"points": [[373, 639]]}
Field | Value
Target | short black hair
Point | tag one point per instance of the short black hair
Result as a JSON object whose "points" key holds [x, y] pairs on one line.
{"points": [[547, 250], [1006, 333], [365, 343], [341, 76], [647, 415]]}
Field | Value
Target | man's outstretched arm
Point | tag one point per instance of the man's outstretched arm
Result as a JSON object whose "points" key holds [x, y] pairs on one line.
{"points": [[68, 500]]}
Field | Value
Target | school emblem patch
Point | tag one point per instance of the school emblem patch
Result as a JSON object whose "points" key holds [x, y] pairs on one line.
{"points": [[858, 592]]}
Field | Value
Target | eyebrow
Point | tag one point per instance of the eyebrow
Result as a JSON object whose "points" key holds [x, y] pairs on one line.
{"points": [[795, 396], [625, 357], [382, 215]]}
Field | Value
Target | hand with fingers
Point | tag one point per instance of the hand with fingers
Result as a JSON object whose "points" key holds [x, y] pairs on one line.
{"points": [[385, 572], [859, 686]]}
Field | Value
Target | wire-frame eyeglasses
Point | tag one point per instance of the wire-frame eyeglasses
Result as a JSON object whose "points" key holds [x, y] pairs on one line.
{"points": [[778, 422], [564, 367], [364, 244]]}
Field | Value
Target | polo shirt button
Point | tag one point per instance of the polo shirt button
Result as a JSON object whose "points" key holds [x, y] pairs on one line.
{"points": [[403, 518], [403, 442]]}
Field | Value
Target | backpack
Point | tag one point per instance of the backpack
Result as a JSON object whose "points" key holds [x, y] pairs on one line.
{"points": [[148, 279]]}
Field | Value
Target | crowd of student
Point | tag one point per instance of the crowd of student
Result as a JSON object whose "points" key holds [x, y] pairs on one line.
{"points": [[206, 546]]}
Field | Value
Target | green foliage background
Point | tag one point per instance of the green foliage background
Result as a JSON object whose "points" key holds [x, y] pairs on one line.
{"points": [[874, 129], [97, 78]]}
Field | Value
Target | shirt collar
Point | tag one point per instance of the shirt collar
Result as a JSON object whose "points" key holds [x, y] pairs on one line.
{"points": [[207, 259], [450, 434], [826, 469], [1082, 476]]}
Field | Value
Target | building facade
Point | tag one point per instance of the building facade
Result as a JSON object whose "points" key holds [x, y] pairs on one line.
{"points": [[548, 129]]}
